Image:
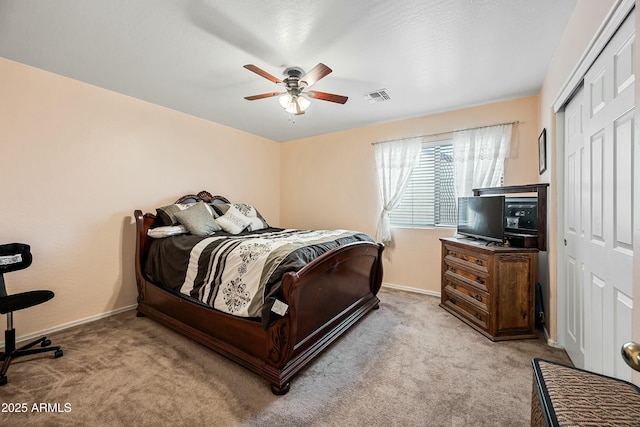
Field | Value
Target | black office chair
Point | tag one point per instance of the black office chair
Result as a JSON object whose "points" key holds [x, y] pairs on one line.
{"points": [[17, 256]]}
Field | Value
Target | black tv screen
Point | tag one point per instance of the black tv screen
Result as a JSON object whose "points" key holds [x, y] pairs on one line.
{"points": [[481, 217]]}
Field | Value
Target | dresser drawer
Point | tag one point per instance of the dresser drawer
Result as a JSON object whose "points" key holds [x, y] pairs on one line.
{"points": [[461, 304], [464, 256], [472, 294], [474, 279]]}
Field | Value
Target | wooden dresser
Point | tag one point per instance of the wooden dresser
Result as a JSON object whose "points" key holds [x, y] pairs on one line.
{"points": [[491, 288]]}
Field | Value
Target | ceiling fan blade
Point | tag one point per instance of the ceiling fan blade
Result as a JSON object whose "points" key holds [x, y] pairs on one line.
{"points": [[262, 95], [259, 71], [324, 96], [315, 74]]}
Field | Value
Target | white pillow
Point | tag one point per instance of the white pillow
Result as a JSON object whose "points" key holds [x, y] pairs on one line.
{"points": [[257, 222], [233, 221], [246, 210], [166, 231]]}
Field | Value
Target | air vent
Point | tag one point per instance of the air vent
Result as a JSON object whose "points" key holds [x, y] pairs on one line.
{"points": [[380, 95]]}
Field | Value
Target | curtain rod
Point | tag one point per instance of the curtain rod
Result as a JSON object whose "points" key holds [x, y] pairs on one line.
{"points": [[444, 133]]}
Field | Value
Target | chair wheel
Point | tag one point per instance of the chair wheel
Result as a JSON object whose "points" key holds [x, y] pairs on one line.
{"points": [[57, 354], [3, 380], [45, 343]]}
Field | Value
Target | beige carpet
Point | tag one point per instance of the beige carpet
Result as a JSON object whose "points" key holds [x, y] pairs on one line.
{"points": [[409, 363]]}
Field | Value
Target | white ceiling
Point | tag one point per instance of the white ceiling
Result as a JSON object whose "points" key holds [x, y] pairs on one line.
{"points": [[430, 55]]}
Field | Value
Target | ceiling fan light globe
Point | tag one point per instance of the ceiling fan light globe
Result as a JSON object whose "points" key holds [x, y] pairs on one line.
{"points": [[285, 100], [291, 108], [303, 103]]}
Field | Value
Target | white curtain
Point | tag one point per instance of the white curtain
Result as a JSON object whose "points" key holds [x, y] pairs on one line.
{"points": [[478, 157], [395, 161]]}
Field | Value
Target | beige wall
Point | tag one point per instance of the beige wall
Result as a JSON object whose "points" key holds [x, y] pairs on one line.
{"points": [[581, 29], [76, 160], [330, 181]]}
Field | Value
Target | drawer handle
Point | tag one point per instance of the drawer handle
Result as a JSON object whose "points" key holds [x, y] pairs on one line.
{"points": [[476, 315], [480, 280], [478, 297], [453, 300], [479, 262]]}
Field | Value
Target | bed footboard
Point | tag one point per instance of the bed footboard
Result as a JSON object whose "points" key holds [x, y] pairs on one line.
{"points": [[324, 300]]}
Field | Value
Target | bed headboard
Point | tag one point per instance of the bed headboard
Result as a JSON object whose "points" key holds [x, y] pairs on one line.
{"points": [[205, 196]]}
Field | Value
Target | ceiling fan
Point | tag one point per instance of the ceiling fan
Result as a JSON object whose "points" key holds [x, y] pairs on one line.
{"points": [[295, 83]]}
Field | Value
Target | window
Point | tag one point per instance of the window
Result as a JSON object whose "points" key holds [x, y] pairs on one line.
{"points": [[430, 198]]}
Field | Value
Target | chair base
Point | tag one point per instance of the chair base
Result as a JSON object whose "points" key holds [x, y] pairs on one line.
{"points": [[25, 350]]}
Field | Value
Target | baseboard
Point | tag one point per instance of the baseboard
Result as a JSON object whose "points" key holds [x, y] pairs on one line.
{"points": [[64, 326], [409, 289], [550, 342]]}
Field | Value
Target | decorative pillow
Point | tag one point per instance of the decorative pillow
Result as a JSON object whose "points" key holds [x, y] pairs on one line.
{"points": [[167, 214], [221, 208], [233, 221], [198, 219], [257, 221], [166, 231]]}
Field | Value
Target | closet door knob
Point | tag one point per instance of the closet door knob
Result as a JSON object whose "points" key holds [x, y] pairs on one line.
{"points": [[631, 354]]}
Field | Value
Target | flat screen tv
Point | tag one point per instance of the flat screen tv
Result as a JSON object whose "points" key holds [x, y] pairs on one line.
{"points": [[481, 217]]}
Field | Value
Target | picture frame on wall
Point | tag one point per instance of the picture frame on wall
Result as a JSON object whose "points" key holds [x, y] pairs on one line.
{"points": [[542, 151]]}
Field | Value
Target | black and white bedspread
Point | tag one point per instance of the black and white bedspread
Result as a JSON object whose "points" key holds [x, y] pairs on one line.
{"points": [[237, 274]]}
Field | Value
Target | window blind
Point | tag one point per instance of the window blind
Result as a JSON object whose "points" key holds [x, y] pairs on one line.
{"points": [[429, 199]]}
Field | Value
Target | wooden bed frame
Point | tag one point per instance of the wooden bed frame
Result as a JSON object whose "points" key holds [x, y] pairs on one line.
{"points": [[325, 298]]}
